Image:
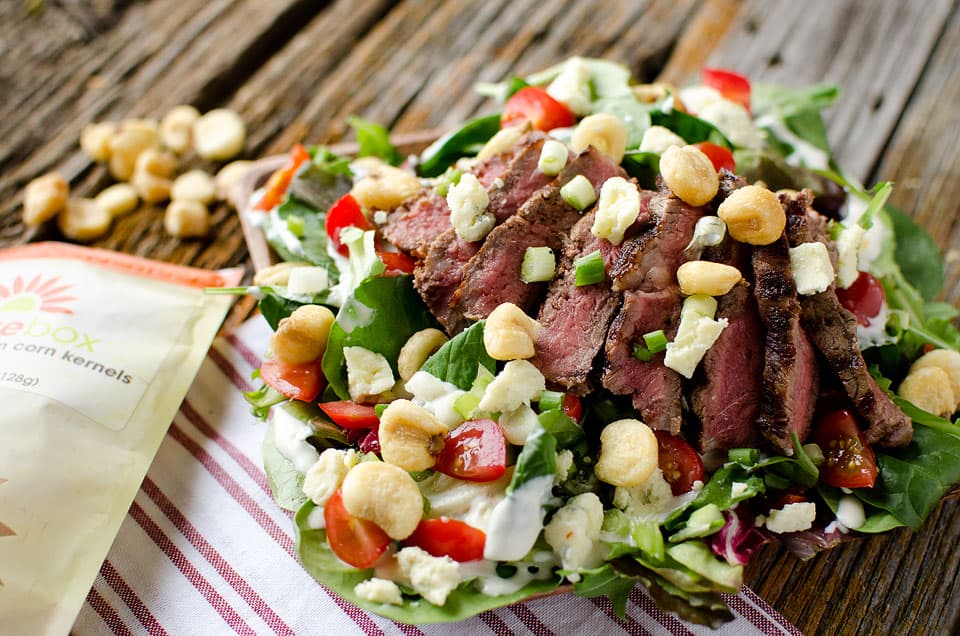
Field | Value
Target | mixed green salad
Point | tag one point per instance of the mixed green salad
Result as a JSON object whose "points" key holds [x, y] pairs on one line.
{"points": [[501, 469]]}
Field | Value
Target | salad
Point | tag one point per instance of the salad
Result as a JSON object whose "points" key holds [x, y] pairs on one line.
{"points": [[610, 334]]}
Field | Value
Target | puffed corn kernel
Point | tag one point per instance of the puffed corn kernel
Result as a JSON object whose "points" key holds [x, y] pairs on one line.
{"points": [[131, 138], [219, 135], [689, 174], [44, 198], [384, 494], [410, 437], [417, 349], [302, 336], [929, 388], [707, 277], [945, 359], [753, 215], [606, 133], [510, 334], [95, 140], [186, 218], [228, 176], [195, 185], [278, 273], [83, 220], [118, 199], [628, 453], [503, 140], [176, 128], [385, 188], [151, 174]]}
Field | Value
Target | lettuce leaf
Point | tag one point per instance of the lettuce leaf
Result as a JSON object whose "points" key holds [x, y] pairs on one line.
{"points": [[286, 482], [456, 361], [374, 141]]}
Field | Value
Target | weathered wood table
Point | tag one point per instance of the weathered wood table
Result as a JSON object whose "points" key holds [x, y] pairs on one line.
{"points": [[295, 69]]}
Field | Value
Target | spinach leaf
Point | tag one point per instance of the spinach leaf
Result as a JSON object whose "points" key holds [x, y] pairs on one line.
{"points": [[380, 315], [692, 129], [563, 427], [917, 255], [286, 482], [606, 581], [461, 142], [770, 98], [464, 602], [456, 361], [275, 308], [642, 166], [635, 116], [876, 521], [537, 459], [374, 141], [719, 491]]}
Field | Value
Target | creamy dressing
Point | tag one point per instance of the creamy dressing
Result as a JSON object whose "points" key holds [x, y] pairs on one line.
{"points": [[316, 520], [875, 333], [290, 436], [804, 153], [517, 520]]}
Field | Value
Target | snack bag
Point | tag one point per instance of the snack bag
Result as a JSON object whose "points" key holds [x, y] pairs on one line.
{"points": [[97, 350]]}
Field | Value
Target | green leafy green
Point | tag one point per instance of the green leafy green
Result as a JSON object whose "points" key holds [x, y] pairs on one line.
{"points": [[464, 141], [606, 581], [692, 129], [635, 116], [374, 141], [456, 361], [917, 255], [563, 427], [537, 459], [380, 315], [262, 399], [642, 166], [364, 261], [321, 182], [286, 482], [876, 521]]}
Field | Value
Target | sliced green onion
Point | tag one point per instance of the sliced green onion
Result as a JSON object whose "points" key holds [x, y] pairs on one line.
{"points": [[447, 179], [641, 353], [553, 157], [579, 193], [588, 270], [379, 409], [550, 400], [295, 225], [656, 341], [466, 404], [539, 264], [744, 456], [708, 232]]}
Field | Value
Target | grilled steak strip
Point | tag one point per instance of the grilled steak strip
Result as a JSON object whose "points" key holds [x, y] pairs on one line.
{"points": [[439, 274], [833, 330], [418, 222], [790, 379]]}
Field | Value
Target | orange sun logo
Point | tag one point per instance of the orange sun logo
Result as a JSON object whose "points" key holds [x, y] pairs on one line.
{"points": [[37, 295]]}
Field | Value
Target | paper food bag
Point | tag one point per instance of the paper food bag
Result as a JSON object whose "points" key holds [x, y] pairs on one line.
{"points": [[97, 350]]}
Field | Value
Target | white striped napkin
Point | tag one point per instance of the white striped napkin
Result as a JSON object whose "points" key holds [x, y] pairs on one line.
{"points": [[204, 549]]}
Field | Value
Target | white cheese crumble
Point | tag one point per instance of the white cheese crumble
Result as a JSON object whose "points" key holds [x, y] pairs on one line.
{"points": [[368, 373], [793, 517], [378, 591], [574, 531], [653, 500], [326, 475], [518, 383], [811, 267], [518, 424], [657, 139], [695, 335], [564, 465], [572, 87], [307, 281], [468, 203], [848, 255], [618, 208], [432, 577], [436, 396]]}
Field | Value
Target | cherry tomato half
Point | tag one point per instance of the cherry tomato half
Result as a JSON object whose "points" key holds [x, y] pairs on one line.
{"points": [[535, 105], [680, 463], [733, 86], [864, 298], [296, 381], [475, 451], [350, 415], [279, 181], [572, 406], [849, 461], [719, 156], [345, 212], [448, 537], [396, 262], [355, 541]]}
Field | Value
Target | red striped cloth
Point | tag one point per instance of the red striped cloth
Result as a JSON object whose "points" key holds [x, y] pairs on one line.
{"points": [[204, 548]]}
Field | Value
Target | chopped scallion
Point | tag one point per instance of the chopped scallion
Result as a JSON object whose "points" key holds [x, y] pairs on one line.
{"points": [[553, 157], [744, 456], [538, 265], [588, 270], [550, 400], [295, 225], [379, 409], [579, 192], [641, 353], [656, 341], [466, 404]]}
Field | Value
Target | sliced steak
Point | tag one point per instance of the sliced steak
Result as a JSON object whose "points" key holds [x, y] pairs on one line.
{"points": [[656, 390], [492, 276], [790, 380], [440, 273], [418, 222], [509, 190], [833, 330], [728, 394]]}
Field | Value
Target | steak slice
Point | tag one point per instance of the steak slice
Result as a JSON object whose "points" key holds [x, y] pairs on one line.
{"points": [[790, 377], [727, 398], [417, 223], [509, 190], [833, 330], [492, 276], [439, 274], [656, 390], [574, 319]]}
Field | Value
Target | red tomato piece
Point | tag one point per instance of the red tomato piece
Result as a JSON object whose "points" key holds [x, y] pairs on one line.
{"points": [[345, 212], [448, 537], [396, 262], [535, 105], [733, 86], [279, 181], [355, 541], [719, 156], [572, 406], [680, 463], [864, 298], [475, 451], [849, 461], [350, 415], [296, 381]]}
